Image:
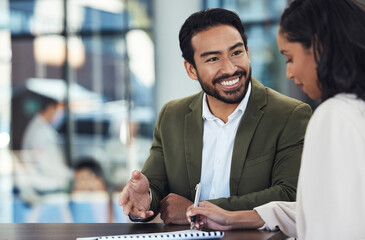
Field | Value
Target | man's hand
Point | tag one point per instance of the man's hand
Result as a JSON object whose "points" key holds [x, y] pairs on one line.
{"points": [[173, 209], [135, 197]]}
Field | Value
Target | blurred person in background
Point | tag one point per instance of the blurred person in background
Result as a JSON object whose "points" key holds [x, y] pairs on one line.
{"points": [[90, 188], [88, 176], [44, 170]]}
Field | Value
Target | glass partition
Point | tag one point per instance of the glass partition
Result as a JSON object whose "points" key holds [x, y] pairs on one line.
{"points": [[76, 109]]}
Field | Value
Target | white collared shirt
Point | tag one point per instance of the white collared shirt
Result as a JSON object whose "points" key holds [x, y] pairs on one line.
{"points": [[218, 141]]}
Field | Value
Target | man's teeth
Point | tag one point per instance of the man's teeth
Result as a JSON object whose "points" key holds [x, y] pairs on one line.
{"points": [[229, 83]]}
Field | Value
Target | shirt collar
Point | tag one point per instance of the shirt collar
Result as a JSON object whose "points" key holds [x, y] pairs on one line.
{"points": [[207, 114]]}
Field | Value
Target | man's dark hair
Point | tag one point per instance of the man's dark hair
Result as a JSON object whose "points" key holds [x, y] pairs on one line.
{"points": [[203, 20], [335, 29]]}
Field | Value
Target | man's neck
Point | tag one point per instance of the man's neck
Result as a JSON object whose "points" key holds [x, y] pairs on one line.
{"points": [[220, 109]]}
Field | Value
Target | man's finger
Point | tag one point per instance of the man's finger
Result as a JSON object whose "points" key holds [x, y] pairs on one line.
{"points": [[123, 196], [138, 213], [127, 207], [163, 209], [149, 213], [162, 202], [163, 213], [168, 197], [136, 175], [167, 220], [141, 213]]}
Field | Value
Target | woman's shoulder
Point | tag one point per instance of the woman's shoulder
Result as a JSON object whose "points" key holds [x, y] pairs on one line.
{"points": [[342, 104], [340, 110]]}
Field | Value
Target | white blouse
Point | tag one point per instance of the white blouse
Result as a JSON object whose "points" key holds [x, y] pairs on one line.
{"points": [[331, 188]]}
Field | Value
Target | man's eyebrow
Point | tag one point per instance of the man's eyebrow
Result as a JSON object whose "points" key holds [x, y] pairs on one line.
{"points": [[204, 54], [239, 44]]}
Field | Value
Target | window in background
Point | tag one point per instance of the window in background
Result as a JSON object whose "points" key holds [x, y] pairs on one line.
{"points": [[81, 92], [6, 167]]}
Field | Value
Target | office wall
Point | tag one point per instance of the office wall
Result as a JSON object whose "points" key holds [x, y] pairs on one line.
{"points": [[171, 79]]}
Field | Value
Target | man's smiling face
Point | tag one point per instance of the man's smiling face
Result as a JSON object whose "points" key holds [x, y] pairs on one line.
{"points": [[222, 63]]}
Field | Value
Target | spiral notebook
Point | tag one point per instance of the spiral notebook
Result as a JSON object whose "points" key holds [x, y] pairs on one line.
{"points": [[185, 234]]}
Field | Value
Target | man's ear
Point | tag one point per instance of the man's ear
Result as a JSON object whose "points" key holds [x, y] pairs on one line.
{"points": [[191, 71], [248, 54]]}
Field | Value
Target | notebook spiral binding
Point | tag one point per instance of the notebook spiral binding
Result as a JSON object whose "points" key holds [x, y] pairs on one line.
{"points": [[197, 235]]}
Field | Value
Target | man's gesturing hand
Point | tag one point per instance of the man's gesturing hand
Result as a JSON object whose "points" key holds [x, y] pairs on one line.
{"points": [[135, 197]]}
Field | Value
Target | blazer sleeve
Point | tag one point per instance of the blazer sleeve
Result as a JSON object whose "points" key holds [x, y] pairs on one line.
{"points": [[284, 170]]}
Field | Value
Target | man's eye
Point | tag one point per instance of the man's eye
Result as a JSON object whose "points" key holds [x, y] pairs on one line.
{"points": [[212, 59], [238, 52]]}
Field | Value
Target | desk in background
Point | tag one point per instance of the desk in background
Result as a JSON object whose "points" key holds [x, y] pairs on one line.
{"points": [[70, 231]]}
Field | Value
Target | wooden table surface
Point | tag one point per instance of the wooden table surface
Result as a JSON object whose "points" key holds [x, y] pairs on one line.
{"points": [[70, 231]]}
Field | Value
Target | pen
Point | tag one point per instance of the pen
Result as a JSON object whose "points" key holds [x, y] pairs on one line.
{"points": [[198, 189]]}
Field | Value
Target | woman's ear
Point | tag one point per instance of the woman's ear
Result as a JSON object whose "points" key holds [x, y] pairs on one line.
{"points": [[191, 71]]}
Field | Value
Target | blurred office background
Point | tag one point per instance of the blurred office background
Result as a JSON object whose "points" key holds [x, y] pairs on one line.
{"points": [[99, 72]]}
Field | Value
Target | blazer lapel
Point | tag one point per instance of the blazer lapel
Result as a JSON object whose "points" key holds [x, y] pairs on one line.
{"points": [[245, 132], [193, 139]]}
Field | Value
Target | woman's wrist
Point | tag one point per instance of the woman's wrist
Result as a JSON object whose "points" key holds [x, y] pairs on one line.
{"points": [[246, 219]]}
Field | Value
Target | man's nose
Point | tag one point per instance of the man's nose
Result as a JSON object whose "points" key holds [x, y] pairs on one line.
{"points": [[228, 67]]}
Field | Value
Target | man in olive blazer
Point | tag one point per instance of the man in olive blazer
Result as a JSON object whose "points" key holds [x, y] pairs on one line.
{"points": [[266, 154], [261, 153]]}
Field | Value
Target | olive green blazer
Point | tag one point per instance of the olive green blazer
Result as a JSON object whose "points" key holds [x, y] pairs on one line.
{"points": [[266, 155]]}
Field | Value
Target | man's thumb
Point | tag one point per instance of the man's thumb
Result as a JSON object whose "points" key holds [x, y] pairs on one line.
{"points": [[136, 175]]}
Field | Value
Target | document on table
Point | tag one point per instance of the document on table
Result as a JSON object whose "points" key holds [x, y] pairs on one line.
{"points": [[184, 234]]}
